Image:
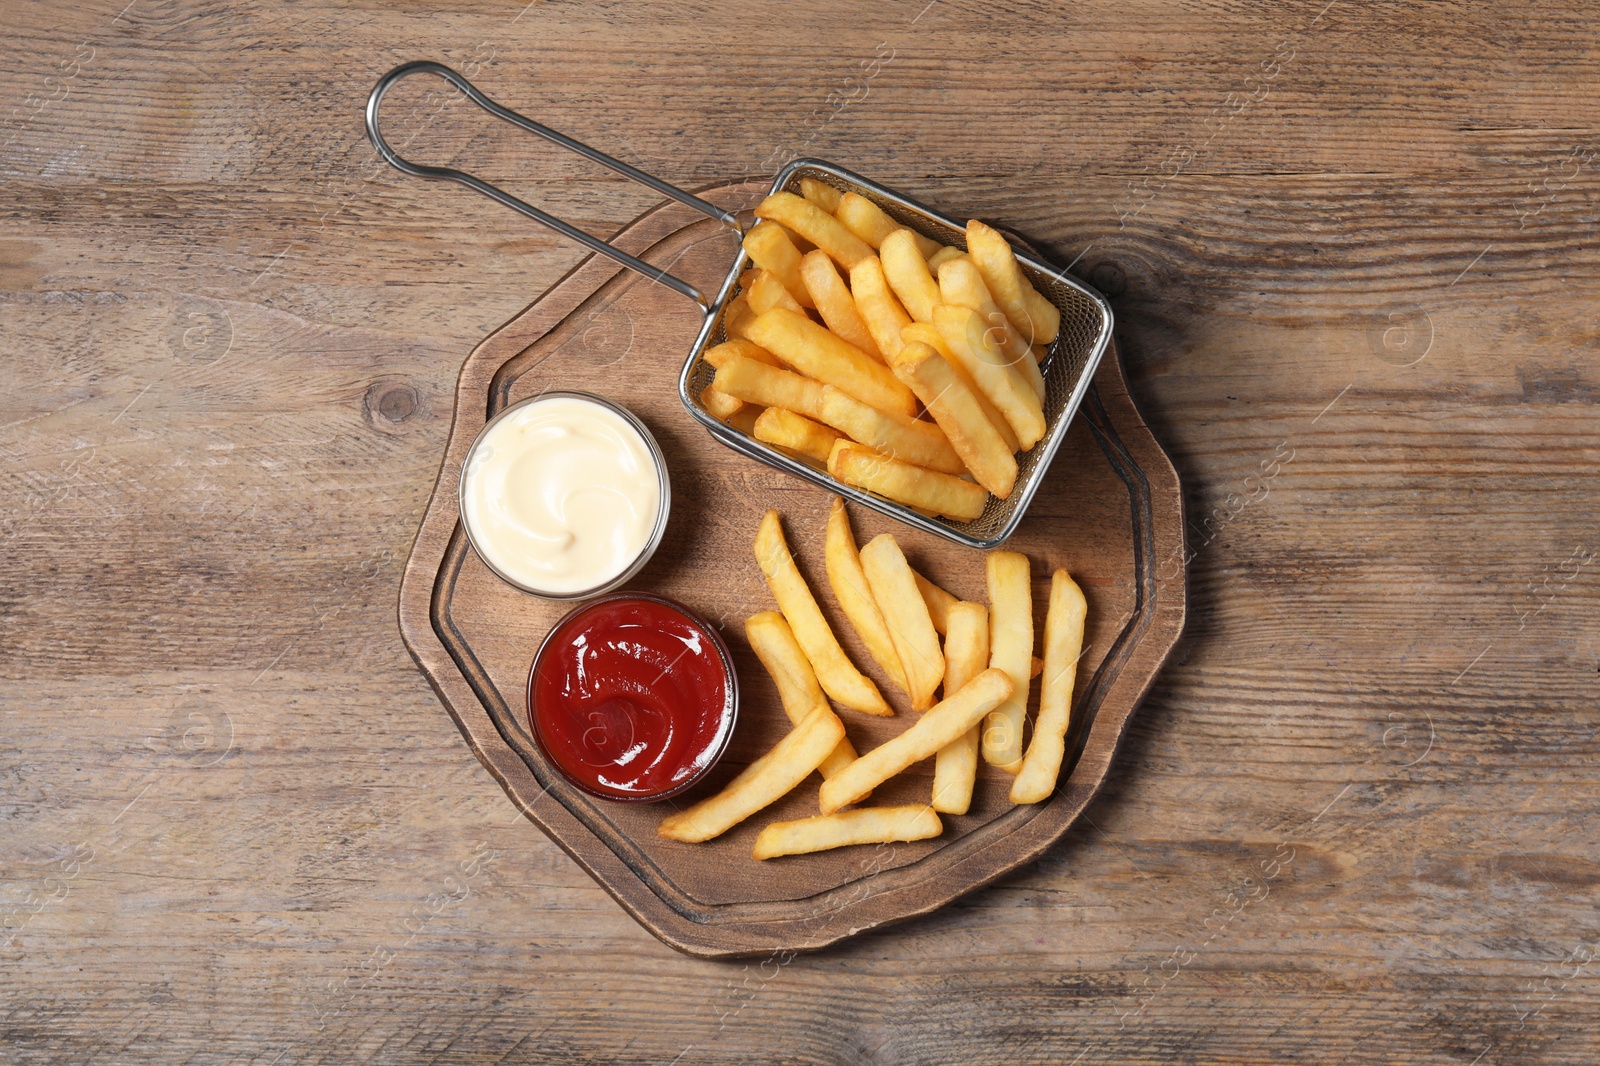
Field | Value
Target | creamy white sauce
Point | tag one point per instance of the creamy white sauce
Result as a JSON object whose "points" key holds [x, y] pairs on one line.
{"points": [[561, 495]]}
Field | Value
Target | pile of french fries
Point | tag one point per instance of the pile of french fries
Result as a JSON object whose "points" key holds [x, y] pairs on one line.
{"points": [[983, 669], [915, 376]]}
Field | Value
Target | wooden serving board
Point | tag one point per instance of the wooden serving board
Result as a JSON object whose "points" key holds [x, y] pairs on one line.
{"points": [[1110, 512]]}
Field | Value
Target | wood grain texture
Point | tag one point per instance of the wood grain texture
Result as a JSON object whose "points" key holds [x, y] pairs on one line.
{"points": [[232, 340]]}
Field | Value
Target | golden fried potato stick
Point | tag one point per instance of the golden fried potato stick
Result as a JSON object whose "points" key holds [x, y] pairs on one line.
{"points": [[962, 286], [773, 642], [795, 432], [835, 672], [908, 275], [966, 655], [769, 386], [766, 292], [865, 825], [869, 222], [989, 369], [929, 334], [1035, 318], [745, 418], [816, 226], [1011, 650], [770, 248], [922, 444], [824, 196], [720, 404], [737, 318], [943, 256], [721, 353], [883, 314], [914, 486], [947, 720], [956, 410], [915, 442], [864, 218], [1063, 644], [762, 783], [850, 588], [832, 299], [939, 603], [894, 587], [818, 353]]}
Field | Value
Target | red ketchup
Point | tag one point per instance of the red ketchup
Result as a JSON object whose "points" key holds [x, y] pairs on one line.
{"points": [[632, 697]]}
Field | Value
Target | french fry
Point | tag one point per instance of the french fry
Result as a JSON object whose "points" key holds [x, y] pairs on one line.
{"points": [[908, 274], [815, 352], [961, 285], [720, 404], [883, 314], [1063, 643], [1036, 318], [770, 248], [769, 386], [864, 218], [955, 408], [831, 297], [914, 486], [816, 226], [836, 674], [745, 418], [795, 432], [939, 603], [966, 655], [943, 256], [773, 642], [1011, 650], [869, 222], [762, 783], [721, 353], [737, 318], [929, 334], [866, 825], [946, 721], [854, 594], [894, 587], [969, 341], [824, 196], [767, 292], [918, 443]]}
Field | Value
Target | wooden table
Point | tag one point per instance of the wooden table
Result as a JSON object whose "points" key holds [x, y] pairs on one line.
{"points": [[1352, 253]]}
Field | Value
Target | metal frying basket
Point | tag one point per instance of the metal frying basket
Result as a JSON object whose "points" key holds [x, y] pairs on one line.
{"points": [[1068, 366]]}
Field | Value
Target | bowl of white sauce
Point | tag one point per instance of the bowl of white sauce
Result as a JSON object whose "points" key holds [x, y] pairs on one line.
{"points": [[565, 495]]}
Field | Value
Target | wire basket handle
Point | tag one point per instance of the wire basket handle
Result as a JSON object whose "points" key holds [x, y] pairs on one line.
{"points": [[394, 159]]}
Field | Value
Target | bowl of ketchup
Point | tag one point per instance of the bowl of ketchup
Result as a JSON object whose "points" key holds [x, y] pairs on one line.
{"points": [[632, 697]]}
